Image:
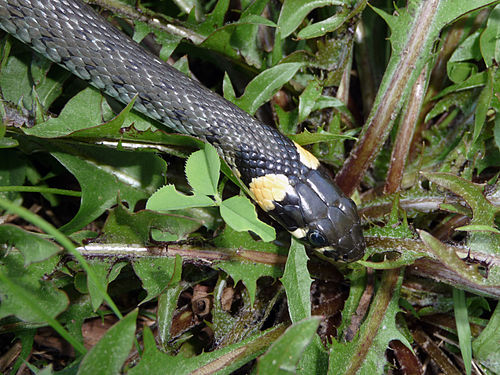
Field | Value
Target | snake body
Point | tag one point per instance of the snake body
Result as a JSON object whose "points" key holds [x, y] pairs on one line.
{"points": [[285, 179]]}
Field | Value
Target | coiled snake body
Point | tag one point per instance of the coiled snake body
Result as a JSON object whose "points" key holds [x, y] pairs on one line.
{"points": [[285, 179]]}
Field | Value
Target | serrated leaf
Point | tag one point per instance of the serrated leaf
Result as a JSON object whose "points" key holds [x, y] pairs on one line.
{"points": [[294, 11], [244, 269], [155, 274], [202, 170], [31, 245], [366, 353], [110, 353], [239, 213], [167, 302], [167, 198], [285, 353], [130, 175], [297, 282], [265, 85]]}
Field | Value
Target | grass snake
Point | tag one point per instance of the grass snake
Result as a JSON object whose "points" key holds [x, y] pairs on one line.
{"points": [[286, 180]]}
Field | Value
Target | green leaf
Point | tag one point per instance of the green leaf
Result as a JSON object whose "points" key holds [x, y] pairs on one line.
{"points": [[167, 198], [202, 170], [485, 346], [294, 11], [155, 274], [110, 353], [463, 327], [105, 271], [490, 38], [265, 85], [366, 353], [221, 361], [285, 353], [131, 176], [307, 138], [483, 105], [297, 283], [168, 301], [246, 268], [32, 299], [308, 98], [85, 110], [239, 213], [31, 245], [13, 171], [479, 228], [125, 227]]}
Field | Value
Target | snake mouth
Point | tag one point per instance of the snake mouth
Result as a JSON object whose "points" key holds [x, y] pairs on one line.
{"points": [[344, 255]]}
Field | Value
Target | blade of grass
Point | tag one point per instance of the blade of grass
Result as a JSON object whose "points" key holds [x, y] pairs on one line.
{"points": [[64, 241], [463, 327], [46, 317]]}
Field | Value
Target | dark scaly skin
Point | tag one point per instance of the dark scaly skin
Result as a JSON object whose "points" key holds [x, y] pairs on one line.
{"points": [[71, 34]]}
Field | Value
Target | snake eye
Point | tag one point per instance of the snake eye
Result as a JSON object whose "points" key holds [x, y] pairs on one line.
{"points": [[317, 239]]}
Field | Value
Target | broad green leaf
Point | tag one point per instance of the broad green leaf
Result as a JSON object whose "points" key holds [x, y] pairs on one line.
{"points": [[243, 268], [265, 85], [168, 41], [308, 98], [123, 226], [284, 355], [307, 138], [202, 170], [32, 299], [155, 274], [314, 359], [485, 346], [13, 169], [85, 110], [105, 271], [131, 176], [167, 198], [294, 11], [33, 247], [109, 354], [239, 213], [167, 302], [332, 23], [24, 80], [297, 283], [490, 38]]}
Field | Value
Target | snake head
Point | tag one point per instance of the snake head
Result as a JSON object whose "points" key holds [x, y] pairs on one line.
{"points": [[314, 209]]}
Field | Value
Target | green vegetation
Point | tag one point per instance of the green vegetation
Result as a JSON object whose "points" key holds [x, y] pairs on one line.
{"points": [[118, 255]]}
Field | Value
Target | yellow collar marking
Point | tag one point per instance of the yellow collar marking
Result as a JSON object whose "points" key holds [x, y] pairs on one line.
{"points": [[269, 188]]}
